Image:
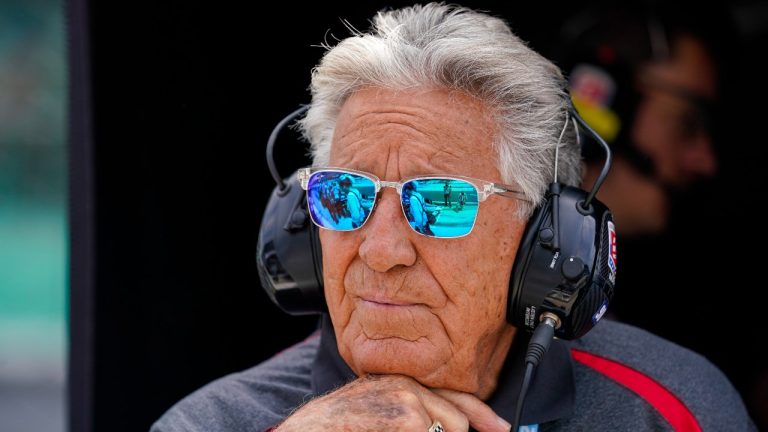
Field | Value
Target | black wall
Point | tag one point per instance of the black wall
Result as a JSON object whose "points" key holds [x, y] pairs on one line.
{"points": [[172, 103]]}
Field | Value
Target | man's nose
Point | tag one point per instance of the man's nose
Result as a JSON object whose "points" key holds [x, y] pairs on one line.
{"points": [[386, 236]]}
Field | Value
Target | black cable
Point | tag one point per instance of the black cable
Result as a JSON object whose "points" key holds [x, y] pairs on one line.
{"points": [[271, 145], [554, 191], [521, 397], [537, 347], [606, 165]]}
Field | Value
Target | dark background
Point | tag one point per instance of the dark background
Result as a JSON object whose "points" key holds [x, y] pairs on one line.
{"points": [[171, 106]]}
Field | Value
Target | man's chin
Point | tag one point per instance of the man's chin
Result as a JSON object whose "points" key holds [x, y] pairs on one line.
{"points": [[419, 359]]}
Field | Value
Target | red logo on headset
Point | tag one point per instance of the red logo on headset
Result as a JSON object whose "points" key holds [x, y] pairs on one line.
{"points": [[612, 250]]}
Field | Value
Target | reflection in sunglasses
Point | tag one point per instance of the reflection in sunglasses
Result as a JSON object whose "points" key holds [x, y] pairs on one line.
{"points": [[442, 207]]}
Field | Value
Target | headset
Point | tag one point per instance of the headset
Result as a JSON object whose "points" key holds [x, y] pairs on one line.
{"points": [[564, 270]]}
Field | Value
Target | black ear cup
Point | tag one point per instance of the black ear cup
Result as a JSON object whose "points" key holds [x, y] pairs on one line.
{"points": [[576, 281], [289, 258]]}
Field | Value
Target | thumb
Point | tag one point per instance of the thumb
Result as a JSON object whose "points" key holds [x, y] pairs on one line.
{"points": [[480, 415]]}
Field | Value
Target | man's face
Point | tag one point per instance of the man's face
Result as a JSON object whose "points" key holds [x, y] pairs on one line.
{"points": [[402, 303], [667, 125]]}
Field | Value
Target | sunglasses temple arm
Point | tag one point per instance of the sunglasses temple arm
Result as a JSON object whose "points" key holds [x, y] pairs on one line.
{"points": [[505, 191]]}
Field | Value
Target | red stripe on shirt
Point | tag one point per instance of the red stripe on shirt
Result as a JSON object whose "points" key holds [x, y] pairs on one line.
{"points": [[662, 400]]}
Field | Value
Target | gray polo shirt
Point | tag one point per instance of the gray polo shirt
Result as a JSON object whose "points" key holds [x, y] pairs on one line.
{"points": [[616, 378]]}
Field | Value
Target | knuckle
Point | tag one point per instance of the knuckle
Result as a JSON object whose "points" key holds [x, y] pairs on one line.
{"points": [[406, 397]]}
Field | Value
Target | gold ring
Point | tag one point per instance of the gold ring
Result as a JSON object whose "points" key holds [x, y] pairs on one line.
{"points": [[436, 427]]}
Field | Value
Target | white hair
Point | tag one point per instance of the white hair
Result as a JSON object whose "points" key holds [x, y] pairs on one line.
{"points": [[456, 48]]}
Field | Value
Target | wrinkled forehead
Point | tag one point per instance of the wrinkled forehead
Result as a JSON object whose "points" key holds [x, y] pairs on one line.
{"points": [[417, 131]]}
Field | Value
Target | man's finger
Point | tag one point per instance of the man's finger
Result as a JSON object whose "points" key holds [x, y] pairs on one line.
{"points": [[480, 415], [449, 415]]}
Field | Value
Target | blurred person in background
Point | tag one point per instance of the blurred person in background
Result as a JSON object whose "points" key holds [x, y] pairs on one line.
{"points": [[648, 83], [654, 82]]}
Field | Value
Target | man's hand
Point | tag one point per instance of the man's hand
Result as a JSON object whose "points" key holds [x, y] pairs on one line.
{"points": [[393, 403]]}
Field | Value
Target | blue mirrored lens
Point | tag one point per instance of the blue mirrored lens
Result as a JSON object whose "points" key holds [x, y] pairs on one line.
{"points": [[339, 200], [440, 207]]}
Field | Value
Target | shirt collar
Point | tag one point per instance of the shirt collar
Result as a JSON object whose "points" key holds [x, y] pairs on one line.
{"points": [[329, 371], [551, 395]]}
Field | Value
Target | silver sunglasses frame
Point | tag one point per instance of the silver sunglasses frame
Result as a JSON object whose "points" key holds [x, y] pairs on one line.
{"points": [[484, 189]]}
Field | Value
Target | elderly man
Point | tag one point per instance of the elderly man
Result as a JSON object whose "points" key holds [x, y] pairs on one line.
{"points": [[416, 338]]}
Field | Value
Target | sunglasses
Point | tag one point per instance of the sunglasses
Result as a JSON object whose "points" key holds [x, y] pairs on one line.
{"points": [[435, 206]]}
